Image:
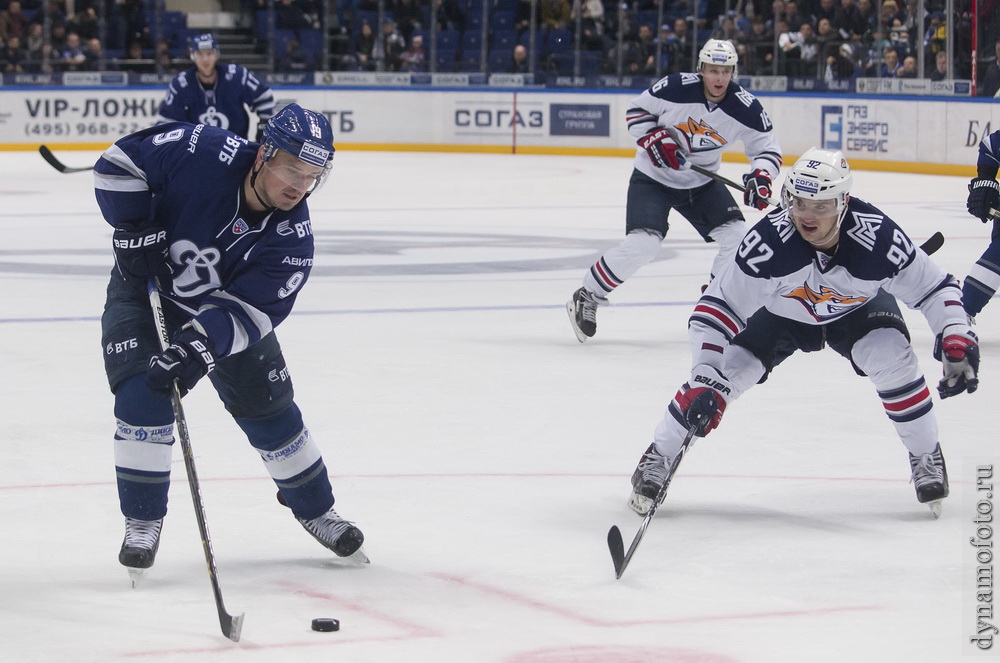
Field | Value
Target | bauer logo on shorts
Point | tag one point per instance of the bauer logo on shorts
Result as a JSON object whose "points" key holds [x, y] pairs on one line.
{"points": [[314, 154]]}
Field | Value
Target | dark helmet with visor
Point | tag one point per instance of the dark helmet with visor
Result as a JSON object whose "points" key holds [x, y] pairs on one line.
{"points": [[304, 134]]}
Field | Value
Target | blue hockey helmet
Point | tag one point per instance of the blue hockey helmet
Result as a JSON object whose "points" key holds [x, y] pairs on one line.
{"points": [[304, 134], [203, 42]]}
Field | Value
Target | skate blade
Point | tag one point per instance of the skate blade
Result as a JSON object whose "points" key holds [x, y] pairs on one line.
{"points": [[358, 557], [571, 312], [935, 507], [134, 575]]}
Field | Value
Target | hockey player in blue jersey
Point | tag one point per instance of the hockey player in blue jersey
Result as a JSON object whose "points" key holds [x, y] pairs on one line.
{"points": [[215, 94], [681, 118], [983, 280], [223, 226], [824, 269]]}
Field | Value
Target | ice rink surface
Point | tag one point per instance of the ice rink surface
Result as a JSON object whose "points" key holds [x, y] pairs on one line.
{"points": [[483, 450]]}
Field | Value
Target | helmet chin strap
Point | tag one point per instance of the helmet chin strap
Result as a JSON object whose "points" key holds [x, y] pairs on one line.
{"points": [[253, 187]]}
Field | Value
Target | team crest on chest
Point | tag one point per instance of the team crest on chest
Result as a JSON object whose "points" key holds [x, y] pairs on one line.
{"points": [[240, 227], [827, 304], [700, 135]]}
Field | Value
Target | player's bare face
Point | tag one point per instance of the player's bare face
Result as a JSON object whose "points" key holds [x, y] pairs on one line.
{"points": [[816, 221], [285, 180], [716, 79], [205, 62]]}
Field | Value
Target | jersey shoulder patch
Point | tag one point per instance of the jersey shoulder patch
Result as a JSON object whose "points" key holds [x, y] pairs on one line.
{"points": [[770, 249], [745, 109], [877, 247], [679, 88]]}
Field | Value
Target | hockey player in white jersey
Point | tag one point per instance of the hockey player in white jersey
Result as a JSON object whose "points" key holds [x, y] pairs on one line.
{"points": [[822, 270], [683, 118]]}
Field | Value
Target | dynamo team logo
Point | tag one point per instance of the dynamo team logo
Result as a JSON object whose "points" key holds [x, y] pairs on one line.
{"points": [[214, 118]]}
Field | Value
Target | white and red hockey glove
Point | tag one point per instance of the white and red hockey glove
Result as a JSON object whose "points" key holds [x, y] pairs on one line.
{"points": [[662, 149], [704, 401], [757, 189], [959, 357]]}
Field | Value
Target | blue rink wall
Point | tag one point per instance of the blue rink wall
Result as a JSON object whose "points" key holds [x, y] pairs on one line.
{"points": [[878, 132]]}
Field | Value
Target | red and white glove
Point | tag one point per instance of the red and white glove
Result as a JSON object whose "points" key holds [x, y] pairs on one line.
{"points": [[704, 401], [662, 149], [959, 357], [758, 189]]}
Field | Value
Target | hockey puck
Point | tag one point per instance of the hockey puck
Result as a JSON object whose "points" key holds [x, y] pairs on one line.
{"points": [[324, 624]]}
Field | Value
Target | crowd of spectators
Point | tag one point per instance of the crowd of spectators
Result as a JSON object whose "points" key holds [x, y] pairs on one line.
{"points": [[44, 36], [827, 39]]}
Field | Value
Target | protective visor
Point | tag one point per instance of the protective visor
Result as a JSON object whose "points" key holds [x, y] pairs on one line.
{"points": [[300, 175]]}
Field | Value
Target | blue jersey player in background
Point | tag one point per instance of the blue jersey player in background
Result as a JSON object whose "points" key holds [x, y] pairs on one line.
{"points": [[983, 280], [223, 226], [216, 94], [825, 269]]}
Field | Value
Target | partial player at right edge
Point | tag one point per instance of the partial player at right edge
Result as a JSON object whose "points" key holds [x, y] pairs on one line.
{"points": [[983, 280], [825, 269]]}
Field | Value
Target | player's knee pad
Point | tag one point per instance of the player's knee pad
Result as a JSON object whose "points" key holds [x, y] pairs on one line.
{"points": [[743, 370], [641, 246], [254, 384], [886, 357], [728, 236]]}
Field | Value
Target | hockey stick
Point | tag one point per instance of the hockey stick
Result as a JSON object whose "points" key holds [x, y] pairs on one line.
{"points": [[57, 164], [619, 557], [715, 176], [231, 626]]}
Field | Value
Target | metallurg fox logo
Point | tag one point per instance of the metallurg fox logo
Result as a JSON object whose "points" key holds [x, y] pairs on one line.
{"points": [[700, 136], [826, 304]]}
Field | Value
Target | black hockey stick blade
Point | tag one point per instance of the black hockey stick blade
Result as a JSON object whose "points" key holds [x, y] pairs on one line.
{"points": [[54, 161], [231, 626], [933, 243], [617, 547]]}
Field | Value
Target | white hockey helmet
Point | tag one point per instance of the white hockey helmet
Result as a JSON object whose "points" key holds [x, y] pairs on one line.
{"points": [[819, 175], [718, 52]]}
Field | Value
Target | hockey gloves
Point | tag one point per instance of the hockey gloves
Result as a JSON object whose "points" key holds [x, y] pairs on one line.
{"points": [[758, 189], [704, 400], [662, 150], [188, 359], [983, 196], [959, 356], [143, 252]]}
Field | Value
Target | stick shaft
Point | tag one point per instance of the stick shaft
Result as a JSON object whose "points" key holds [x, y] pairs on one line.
{"points": [[231, 626]]}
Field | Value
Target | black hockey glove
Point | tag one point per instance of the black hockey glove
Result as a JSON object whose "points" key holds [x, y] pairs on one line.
{"points": [[758, 189], [663, 151], [143, 252], [984, 195], [189, 358], [704, 401], [959, 357]]}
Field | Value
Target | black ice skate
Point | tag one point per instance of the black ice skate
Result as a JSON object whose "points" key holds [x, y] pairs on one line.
{"points": [[930, 479], [582, 311], [648, 478], [339, 535], [142, 539]]}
